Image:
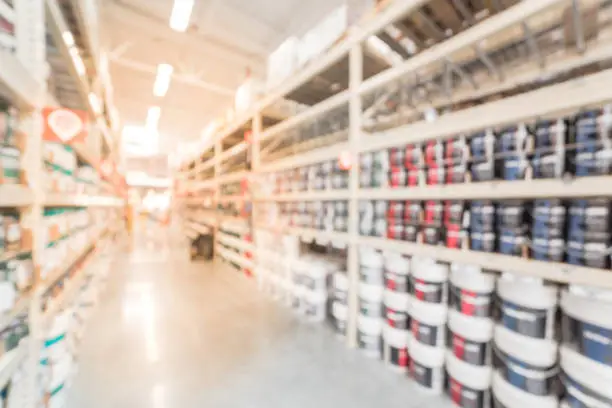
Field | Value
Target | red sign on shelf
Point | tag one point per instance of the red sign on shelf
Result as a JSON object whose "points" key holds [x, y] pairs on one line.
{"points": [[248, 136], [63, 125], [345, 160]]}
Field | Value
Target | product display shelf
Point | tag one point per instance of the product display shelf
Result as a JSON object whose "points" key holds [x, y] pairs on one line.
{"points": [[20, 307], [17, 84], [317, 195], [14, 195], [551, 271], [235, 258], [79, 200], [70, 261], [234, 242], [11, 361]]}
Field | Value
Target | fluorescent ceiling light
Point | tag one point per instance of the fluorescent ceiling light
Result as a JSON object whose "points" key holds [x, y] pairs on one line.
{"points": [[68, 38], [181, 12], [162, 81], [153, 117], [94, 102]]}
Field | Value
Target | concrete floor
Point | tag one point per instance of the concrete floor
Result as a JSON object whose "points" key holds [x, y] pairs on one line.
{"points": [[170, 333]]}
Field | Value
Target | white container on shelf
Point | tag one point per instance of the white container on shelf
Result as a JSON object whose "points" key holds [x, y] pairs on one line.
{"points": [[430, 280], [340, 314], [397, 270], [471, 338], [469, 385], [428, 323], [526, 362], [588, 318], [370, 300], [427, 367], [369, 332], [315, 303], [397, 309], [528, 307], [396, 341], [471, 291], [587, 381], [341, 287], [509, 396]]}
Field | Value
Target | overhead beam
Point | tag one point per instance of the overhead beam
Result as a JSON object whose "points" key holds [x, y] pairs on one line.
{"points": [[158, 29], [185, 79]]}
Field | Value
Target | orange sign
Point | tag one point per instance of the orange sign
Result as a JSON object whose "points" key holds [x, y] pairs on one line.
{"points": [[64, 125]]}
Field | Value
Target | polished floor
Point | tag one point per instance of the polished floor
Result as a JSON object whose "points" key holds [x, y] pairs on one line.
{"points": [[170, 334]]}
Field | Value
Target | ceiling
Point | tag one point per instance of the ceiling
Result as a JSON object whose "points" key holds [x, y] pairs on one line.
{"points": [[226, 38]]}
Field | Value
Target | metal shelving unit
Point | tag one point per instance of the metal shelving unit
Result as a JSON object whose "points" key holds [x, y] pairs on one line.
{"points": [[23, 84], [484, 72]]}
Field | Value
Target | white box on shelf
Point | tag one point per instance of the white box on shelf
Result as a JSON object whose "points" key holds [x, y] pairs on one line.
{"points": [[282, 62], [323, 35]]}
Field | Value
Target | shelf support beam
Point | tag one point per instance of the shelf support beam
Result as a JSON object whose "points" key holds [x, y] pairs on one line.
{"points": [[355, 119]]}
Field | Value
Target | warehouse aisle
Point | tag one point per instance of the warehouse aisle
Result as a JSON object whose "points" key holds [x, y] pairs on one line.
{"points": [[170, 333]]}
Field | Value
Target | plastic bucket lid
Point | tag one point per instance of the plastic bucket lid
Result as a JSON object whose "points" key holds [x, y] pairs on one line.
{"points": [[471, 278], [341, 281], [371, 258], [471, 328], [513, 397], [371, 326], [528, 294], [397, 263], [476, 377], [400, 302], [586, 372], [426, 355], [430, 271], [396, 337], [317, 270], [433, 314], [339, 311], [371, 293], [596, 312], [532, 351]]}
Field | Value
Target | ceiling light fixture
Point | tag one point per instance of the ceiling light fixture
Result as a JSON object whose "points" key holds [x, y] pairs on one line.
{"points": [[162, 81], [153, 118], [181, 12]]}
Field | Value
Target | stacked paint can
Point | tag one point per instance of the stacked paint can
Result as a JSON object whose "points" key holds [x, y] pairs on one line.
{"points": [[434, 163], [482, 151], [374, 168], [397, 301], [482, 226], [586, 352], [456, 156], [512, 224], [470, 331], [340, 302], [512, 144], [428, 322], [373, 218], [371, 289], [433, 223], [413, 163], [589, 233], [547, 232], [525, 347], [593, 143], [549, 155]]}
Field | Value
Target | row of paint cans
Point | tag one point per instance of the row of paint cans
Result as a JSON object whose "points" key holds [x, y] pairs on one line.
{"points": [[340, 302], [311, 277], [370, 295], [526, 350], [469, 359]]}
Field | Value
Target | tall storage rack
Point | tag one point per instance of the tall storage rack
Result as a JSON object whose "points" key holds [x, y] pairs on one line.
{"points": [[474, 71], [23, 86]]}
